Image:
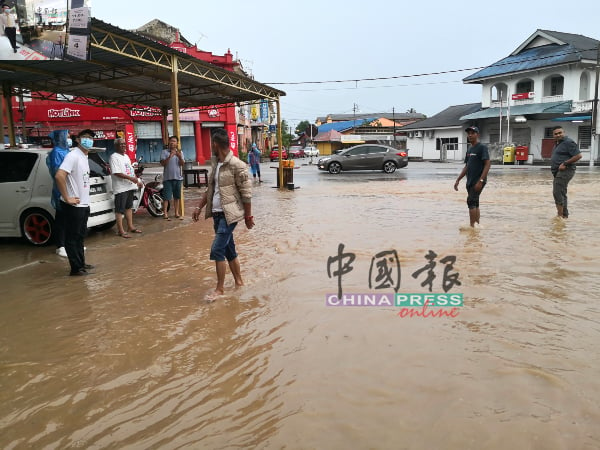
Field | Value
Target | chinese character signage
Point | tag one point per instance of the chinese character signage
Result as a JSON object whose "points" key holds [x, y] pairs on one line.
{"points": [[264, 110]]}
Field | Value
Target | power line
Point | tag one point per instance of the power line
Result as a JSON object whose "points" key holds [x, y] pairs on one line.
{"points": [[377, 87], [443, 72]]}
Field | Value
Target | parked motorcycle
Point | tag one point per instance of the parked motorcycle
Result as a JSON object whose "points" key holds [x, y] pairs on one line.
{"points": [[148, 195]]}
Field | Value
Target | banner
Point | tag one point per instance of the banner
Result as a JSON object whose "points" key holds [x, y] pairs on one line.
{"points": [[131, 142], [264, 111], [233, 141]]}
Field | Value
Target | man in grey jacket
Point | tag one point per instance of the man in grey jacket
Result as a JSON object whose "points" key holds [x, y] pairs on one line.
{"points": [[228, 201]]}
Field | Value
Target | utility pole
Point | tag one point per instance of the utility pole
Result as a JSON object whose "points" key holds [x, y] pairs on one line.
{"points": [[394, 120], [354, 120], [595, 111], [23, 122], [500, 92]]}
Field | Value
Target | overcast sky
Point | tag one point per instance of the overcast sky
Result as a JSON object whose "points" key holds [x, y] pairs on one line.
{"points": [[336, 40]]}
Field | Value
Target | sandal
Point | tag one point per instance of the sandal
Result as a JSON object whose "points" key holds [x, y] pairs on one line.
{"points": [[135, 230], [166, 218], [123, 235]]}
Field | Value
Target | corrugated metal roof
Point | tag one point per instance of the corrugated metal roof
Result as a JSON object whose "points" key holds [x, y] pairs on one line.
{"points": [[522, 110], [574, 48], [328, 136], [388, 115], [346, 125], [449, 117], [128, 69]]}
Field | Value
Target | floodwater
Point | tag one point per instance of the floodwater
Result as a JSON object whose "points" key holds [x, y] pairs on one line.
{"points": [[133, 358]]}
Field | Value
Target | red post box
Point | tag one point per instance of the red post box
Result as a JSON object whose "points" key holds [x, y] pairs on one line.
{"points": [[521, 153]]}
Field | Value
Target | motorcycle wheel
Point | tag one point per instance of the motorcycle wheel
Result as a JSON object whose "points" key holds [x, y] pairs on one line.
{"points": [[155, 207]]}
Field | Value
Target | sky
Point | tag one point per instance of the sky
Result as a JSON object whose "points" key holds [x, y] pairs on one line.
{"points": [[322, 53]]}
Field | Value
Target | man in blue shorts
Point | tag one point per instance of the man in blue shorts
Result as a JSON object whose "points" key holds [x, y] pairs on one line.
{"points": [[172, 161], [228, 201], [477, 166]]}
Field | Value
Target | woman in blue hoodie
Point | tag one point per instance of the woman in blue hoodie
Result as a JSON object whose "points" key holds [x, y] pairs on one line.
{"points": [[62, 146]]}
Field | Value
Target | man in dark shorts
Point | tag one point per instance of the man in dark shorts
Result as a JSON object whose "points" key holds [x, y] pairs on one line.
{"points": [[477, 166], [172, 161], [564, 156], [125, 184]]}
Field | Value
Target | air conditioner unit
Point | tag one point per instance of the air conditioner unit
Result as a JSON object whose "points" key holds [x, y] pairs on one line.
{"points": [[430, 134], [419, 134], [411, 134]]}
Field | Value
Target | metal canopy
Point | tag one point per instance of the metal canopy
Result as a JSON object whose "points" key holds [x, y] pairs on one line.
{"points": [[520, 110], [128, 70]]}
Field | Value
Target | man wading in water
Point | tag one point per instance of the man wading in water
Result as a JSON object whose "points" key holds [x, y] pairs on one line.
{"points": [[477, 166]]}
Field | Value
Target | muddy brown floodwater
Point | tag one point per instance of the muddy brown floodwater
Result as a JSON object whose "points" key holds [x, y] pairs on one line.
{"points": [[133, 358]]}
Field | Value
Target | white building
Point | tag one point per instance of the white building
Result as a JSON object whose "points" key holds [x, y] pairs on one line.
{"points": [[548, 80]]}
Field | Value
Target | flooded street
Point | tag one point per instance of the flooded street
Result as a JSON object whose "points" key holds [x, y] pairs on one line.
{"points": [[133, 358]]}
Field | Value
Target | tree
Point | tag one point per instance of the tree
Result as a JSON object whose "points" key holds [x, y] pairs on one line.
{"points": [[286, 135], [302, 126]]}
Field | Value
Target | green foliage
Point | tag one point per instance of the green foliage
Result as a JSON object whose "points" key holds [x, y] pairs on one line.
{"points": [[302, 126], [286, 136]]}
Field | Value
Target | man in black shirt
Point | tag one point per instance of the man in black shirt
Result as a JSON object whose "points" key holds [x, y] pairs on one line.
{"points": [[564, 156], [477, 166]]}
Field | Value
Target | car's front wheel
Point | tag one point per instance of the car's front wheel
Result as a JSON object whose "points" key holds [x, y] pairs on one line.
{"points": [[389, 167], [37, 226], [335, 167]]}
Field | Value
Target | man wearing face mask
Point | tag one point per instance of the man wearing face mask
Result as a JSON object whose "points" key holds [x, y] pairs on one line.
{"points": [[62, 145], [73, 181], [9, 26]]}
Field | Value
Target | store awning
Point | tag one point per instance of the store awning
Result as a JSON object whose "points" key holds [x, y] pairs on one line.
{"points": [[521, 110], [571, 118]]}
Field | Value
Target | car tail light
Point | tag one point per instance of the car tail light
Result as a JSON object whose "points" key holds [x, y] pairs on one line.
{"points": [[402, 154]]}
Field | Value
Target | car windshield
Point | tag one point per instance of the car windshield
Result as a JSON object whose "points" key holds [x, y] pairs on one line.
{"points": [[98, 167]]}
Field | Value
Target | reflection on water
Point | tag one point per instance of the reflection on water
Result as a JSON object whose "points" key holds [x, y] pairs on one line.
{"points": [[133, 358]]}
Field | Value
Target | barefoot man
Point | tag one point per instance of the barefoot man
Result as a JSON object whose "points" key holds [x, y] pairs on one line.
{"points": [[227, 201], [477, 166]]}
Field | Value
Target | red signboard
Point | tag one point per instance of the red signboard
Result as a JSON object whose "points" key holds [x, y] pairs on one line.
{"points": [[522, 96], [130, 140], [232, 132], [37, 111]]}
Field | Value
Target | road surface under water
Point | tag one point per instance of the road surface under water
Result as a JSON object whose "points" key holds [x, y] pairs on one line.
{"points": [[133, 357]]}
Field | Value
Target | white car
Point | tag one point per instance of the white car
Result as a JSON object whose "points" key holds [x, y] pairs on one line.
{"points": [[309, 150], [26, 188]]}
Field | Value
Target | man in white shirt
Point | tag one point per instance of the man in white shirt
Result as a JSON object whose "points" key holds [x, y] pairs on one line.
{"points": [[9, 26], [125, 183], [73, 182]]}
